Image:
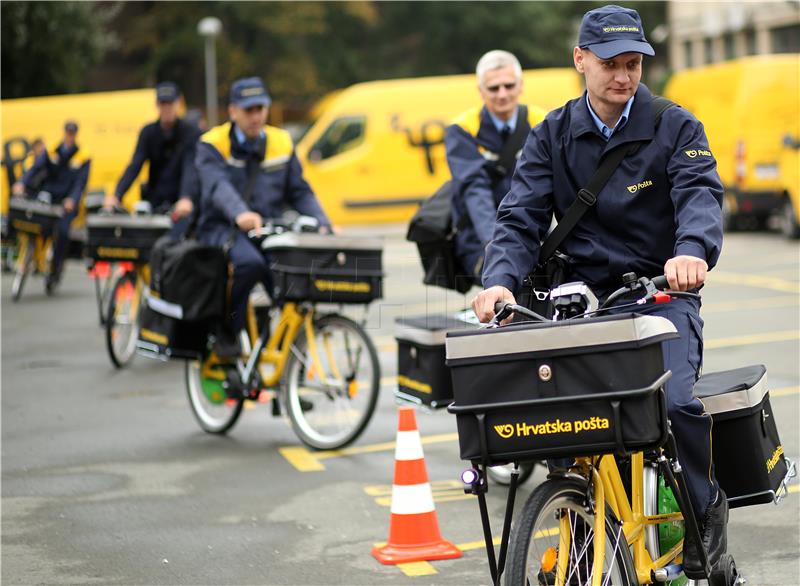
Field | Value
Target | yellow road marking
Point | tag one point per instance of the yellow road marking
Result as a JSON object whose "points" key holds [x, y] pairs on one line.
{"points": [[794, 488], [758, 281], [765, 338], [301, 458], [784, 392], [417, 569], [760, 303]]}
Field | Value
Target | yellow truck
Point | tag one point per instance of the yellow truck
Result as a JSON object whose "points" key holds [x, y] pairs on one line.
{"points": [[377, 149], [747, 106], [109, 124]]}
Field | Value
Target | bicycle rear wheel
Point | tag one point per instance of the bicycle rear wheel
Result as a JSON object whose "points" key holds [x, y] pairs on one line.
{"points": [[122, 319], [212, 408], [554, 535], [23, 265], [331, 402]]}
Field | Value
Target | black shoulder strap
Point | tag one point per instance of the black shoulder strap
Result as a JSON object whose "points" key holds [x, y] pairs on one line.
{"points": [[587, 196], [507, 158]]}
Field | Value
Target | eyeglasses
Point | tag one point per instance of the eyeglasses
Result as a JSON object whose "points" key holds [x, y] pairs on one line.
{"points": [[496, 88]]}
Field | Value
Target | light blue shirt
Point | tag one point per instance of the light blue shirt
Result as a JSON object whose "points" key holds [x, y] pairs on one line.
{"points": [[511, 122], [241, 136], [605, 130]]}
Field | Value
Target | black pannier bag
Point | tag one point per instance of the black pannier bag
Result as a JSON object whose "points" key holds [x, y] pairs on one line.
{"points": [[423, 378], [749, 462], [33, 217], [123, 238], [431, 229], [574, 388], [187, 298], [325, 269]]}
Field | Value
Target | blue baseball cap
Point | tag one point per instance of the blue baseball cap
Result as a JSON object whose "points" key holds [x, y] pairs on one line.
{"points": [[249, 91], [167, 91], [612, 30], [71, 126]]}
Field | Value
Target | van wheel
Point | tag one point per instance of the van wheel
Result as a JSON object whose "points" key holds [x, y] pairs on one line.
{"points": [[790, 227]]}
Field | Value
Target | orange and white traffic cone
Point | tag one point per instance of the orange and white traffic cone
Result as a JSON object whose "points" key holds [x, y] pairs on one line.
{"points": [[413, 528]]}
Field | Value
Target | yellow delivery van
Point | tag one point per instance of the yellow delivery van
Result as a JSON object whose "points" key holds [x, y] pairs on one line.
{"points": [[377, 149], [109, 124], [790, 179], [747, 106]]}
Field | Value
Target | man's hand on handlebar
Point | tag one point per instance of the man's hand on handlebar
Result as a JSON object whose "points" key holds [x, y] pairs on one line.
{"points": [[685, 272], [183, 207], [483, 304], [110, 202], [18, 189], [249, 221]]}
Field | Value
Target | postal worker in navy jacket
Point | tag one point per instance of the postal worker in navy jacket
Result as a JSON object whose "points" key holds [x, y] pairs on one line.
{"points": [[226, 156], [169, 146], [660, 213], [473, 144], [63, 173]]}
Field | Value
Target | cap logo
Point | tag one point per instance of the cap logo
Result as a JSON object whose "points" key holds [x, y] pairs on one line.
{"points": [[252, 91], [621, 29]]}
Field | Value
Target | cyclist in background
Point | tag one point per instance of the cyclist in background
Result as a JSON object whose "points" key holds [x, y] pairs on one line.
{"points": [[63, 174], [248, 173], [169, 145], [474, 143], [660, 213]]}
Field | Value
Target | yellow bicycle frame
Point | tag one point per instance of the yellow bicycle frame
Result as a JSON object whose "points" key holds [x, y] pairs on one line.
{"points": [[609, 489], [41, 246]]}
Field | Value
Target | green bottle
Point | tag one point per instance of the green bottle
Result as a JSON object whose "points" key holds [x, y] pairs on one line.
{"points": [[670, 533]]}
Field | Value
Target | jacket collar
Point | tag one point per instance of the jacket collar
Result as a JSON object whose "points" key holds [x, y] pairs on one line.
{"points": [[638, 128]]}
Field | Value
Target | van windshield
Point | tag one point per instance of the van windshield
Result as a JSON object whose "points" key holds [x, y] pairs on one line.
{"points": [[342, 135]]}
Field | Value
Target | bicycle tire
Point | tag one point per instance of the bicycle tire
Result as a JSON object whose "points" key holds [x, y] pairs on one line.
{"points": [[21, 270], [544, 507], [329, 416], [214, 415], [122, 323], [502, 474]]}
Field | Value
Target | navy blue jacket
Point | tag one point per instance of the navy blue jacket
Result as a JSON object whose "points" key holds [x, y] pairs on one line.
{"points": [[661, 202], [222, 168], [473, 145], [65, 172], [171, 156]]}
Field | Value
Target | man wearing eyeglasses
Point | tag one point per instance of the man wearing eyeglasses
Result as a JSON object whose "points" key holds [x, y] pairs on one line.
{"points": [[475, 146], [248, 173]]}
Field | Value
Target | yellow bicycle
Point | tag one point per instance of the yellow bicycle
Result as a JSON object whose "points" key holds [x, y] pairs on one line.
{"points": [[320, 368], [33, 222]]}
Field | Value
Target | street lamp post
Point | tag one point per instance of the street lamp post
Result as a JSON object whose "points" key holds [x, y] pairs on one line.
{"points": [[210, 27]]}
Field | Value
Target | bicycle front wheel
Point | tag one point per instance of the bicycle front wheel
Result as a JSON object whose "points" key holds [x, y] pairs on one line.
{"points": [[553, 541], [122, 319], [23, 266], [331, 386]]}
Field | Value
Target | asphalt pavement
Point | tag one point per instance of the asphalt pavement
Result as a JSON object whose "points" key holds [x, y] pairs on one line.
{"points": [[107, 478]]}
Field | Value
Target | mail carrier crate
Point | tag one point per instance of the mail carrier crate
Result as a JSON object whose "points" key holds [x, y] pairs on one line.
{"points": [[423, 378], [33, 217], [574, 388], [322, 268], [124, 238], [749, 462]]}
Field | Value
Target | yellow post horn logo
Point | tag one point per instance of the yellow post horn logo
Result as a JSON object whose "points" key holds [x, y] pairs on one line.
{"points": [[504, 431], [633, 188], [691, 154]]}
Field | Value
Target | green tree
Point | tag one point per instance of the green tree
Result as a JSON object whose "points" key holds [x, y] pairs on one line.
{"points": [[47, 47]]}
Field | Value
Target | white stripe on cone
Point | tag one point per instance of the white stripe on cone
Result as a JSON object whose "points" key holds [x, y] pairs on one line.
{"points": [[409, 446], [412, 499]]}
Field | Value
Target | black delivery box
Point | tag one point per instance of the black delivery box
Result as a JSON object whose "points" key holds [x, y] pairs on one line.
{"points": [[322, 268], [423, 378], [573, 388], [749, 462], [33, 217], [117, 237]]}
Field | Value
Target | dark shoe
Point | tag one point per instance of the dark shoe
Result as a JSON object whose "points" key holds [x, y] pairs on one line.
{"points": [[227, 344], [713, 529], [51, 282]]}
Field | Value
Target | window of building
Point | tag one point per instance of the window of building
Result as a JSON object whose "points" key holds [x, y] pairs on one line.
{"points": [[342, 135], [750, 41], [687, 53], [708, 50], [786, 39], [730, 46]]}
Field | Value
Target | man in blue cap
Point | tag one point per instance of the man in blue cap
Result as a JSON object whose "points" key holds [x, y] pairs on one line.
{"points": [[248, 173], [659, 213], [169, 145], [63, 174]]}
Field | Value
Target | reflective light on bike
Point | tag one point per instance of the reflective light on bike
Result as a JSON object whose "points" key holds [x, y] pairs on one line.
{"points": [[549, 558], [469, 476], [352, 388]]}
